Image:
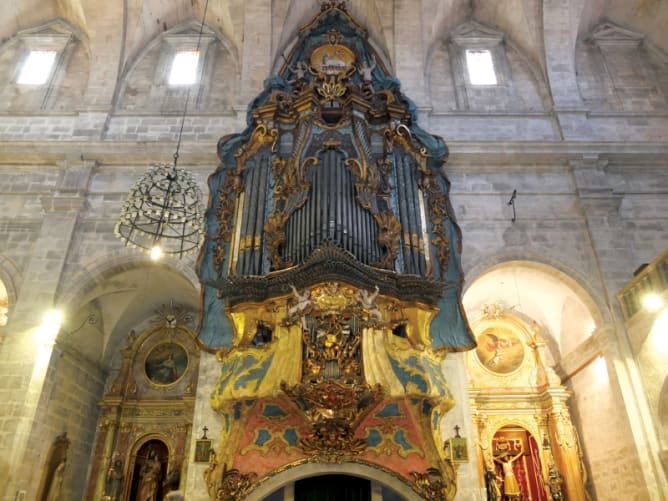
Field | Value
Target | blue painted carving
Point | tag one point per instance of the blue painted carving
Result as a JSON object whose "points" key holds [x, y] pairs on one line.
{"points": [[449, 329]]}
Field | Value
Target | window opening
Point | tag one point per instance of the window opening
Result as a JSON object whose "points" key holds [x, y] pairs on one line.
{"points": [[37, 67], [481, 67], [184, 68]]}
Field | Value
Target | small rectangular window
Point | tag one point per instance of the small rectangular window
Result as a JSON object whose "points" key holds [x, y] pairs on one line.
{"points": [[184, 68], [37, 67], [481, 67]]}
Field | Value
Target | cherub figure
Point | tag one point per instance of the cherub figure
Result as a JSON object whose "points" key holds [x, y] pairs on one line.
{"points": [[368, 301], [299, 69], [366, 70], [303, 301]]}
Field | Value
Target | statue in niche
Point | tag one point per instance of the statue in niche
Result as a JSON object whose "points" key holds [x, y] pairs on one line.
{"points": [[114, 480], [151, 474], [511, 488], [56, 482], [554, 482], [492, 483]]}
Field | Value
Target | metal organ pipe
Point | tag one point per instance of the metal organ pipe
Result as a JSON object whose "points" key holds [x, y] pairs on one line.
{"points": [[331, 213], [265, 166]]}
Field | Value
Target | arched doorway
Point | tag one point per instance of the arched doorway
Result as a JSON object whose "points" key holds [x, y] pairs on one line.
{"points": [[517, 454], [151, 461], [383, 485], [333, 488]]}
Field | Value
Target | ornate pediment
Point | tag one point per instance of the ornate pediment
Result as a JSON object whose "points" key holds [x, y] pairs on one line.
{"points": [[474, 32], [610, 34]]}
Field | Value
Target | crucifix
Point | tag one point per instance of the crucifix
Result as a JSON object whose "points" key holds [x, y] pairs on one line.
{"points": [[204, 430]]}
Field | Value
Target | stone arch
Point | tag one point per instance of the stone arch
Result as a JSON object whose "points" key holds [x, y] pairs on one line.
{"points": [[9, 275], [576, 280], [557, 298], [295, 473], [142, 83], [120, 292], [102, 268], [620, 69]]}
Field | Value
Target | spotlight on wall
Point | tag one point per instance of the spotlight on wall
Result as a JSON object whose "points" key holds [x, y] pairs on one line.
{"points": [[652, 301], [50, 326]]}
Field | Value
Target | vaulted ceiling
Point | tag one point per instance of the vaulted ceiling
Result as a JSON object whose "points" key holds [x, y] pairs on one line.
{"points": [[119, 30]]}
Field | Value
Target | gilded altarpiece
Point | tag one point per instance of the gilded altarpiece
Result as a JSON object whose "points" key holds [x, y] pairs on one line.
{"points": [[331, 275], [520, 411], [147, 411]]}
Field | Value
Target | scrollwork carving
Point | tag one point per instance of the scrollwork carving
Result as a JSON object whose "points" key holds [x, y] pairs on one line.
{"points": [[434, 485], [389, 237]]}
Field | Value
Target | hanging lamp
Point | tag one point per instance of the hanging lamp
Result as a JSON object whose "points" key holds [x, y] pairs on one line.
{"points": [[163, 213]]}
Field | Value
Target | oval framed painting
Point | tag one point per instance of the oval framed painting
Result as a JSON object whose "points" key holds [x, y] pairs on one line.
{"points": [[166, 363], [500, 350]]}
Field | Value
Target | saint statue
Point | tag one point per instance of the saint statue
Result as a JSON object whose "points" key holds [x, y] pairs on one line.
{"points": [[150, 478], [56, 482], [114, 480], [491, 483]]}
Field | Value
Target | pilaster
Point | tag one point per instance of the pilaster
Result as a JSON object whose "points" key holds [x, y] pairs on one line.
{"points": [[25, 355], [255, 59]]}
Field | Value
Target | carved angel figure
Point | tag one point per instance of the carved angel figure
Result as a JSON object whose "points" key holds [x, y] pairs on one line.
{"points": [[368, 302], [303, 301]]}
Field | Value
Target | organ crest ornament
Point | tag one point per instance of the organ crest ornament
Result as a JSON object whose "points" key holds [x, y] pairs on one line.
{"points": [[331, 273]]}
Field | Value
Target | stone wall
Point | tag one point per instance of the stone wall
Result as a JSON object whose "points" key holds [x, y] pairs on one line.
{"points": [[586, 153]]}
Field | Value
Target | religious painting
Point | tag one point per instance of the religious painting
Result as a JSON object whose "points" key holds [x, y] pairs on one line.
{"points": [[459, 449], [500, 350], [202, 450], [166, 363]]}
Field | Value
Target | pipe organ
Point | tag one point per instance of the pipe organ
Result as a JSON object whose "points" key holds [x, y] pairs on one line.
{"points": [[331, 274]]}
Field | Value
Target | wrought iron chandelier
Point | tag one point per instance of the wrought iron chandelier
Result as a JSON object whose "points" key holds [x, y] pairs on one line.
{"points": [[163, 213]]}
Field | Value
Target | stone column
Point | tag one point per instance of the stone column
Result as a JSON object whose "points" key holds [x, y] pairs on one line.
{"points": [[566, 447], [560, 28], [103, 457], [600, 206], [24, 358]]}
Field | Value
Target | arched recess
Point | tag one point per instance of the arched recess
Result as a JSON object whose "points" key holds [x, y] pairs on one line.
{"points": [[153, 447], [521, 83], [564, 309], [621, 69], [67, 80], [8, 276], [119, 294], [144, 81], [367, 13], [291, 475]]}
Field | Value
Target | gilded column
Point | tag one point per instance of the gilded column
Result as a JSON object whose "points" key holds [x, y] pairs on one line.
{"points": [[566, 449]]}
